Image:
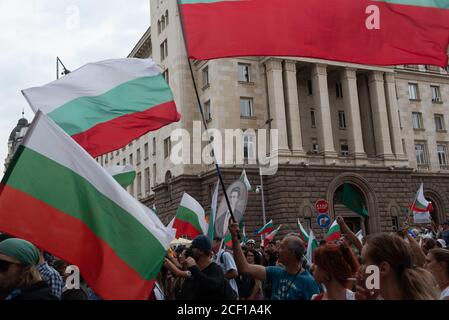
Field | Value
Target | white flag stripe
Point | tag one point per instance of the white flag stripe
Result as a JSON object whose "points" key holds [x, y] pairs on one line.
{"points": [[114, 170], [190, 203], [93, 79]]}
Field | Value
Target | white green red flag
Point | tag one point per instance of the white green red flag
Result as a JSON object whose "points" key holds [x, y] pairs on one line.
{"points": [[421, 204], [271, 236], [56, 196], [107, 104], [376, 32], [190, 219], [334, 232], [213, 212], [124, 175], [311, 246], [302, 232], [267, 228], [244, 179]]}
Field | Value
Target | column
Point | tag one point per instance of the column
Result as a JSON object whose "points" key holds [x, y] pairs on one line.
{"points": [[351, 102], [380, 116], [292, 104], [393, 113], [277, 102], [321, 103]]}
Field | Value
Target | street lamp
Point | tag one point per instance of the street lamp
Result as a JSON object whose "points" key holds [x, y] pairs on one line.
{"points": [[64, 72]]}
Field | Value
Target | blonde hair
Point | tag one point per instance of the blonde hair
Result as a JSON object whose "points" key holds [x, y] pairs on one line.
{"points": [[29, 275], [415, 283]]}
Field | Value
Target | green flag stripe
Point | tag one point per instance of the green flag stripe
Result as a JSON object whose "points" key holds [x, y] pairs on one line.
{"points": [[66, 191], [126, 178], [190, 217], [440, 4], [83, 113]]}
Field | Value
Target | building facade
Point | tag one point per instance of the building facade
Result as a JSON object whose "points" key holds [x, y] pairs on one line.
{"points": [[383, 130]]}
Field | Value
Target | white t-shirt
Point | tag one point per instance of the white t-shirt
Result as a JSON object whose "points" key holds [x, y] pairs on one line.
{"points": [[226, 261], [444, 294]]}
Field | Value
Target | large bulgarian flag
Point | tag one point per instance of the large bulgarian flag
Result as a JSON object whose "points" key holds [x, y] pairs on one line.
{"points": [[378, 32], [107, 104], [190, 218], [124, 175], [55, 195]]}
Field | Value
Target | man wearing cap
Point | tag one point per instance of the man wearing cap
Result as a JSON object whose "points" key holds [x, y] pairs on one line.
{"points": [[205, 278], [19, 277]]}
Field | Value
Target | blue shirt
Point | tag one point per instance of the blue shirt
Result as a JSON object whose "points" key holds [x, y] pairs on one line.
{"points": [[285, 286]]}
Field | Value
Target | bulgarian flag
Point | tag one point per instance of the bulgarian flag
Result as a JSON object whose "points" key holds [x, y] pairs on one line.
{"points": [[421, 204], [213, 211], [228, 238], [56, 196], [377, 32], [266, 228], [190, 218], [311, 246], [302, 232], [107, 104], [124, 175], [244, 179], [334, 232], [271, 236]]}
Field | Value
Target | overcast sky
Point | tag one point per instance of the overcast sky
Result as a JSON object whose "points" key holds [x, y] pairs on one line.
{"points": [[34, 32]]}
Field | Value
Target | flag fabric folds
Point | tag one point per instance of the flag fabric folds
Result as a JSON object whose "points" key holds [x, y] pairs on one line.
{"points": [[387, 32], [421, 204], [107, 104], [56, 196], [190, 218], [267, 228], [124, 175], [334, 232], [352, 199]]}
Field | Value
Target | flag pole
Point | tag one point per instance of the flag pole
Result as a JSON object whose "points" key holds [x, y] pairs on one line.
{"points": [[200, 107]]}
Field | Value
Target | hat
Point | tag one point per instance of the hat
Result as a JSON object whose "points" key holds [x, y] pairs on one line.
{"points": [[202, 243], [442, 243], [445, 223], [251, 241], [21, 250]]}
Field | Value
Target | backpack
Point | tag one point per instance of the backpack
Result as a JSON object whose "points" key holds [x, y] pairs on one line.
{"points": [[229, 293]]}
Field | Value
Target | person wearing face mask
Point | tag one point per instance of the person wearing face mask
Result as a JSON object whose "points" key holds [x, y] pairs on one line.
{"points": [[19, 276]]}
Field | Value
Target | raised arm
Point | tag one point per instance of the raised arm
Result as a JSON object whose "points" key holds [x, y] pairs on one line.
{"points": [[349, 234], [255, 271]]}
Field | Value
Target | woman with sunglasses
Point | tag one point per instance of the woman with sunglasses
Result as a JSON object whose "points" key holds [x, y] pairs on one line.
{"points": [[19, 277]]}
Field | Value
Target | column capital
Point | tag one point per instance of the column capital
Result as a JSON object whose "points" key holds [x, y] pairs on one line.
{"points": [[319, 69], [290, 65], [349, 73], [377, 76], [389, 77], [273, 64]]}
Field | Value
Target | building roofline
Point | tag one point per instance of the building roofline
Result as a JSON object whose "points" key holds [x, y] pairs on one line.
{"points": [[143, 40]]}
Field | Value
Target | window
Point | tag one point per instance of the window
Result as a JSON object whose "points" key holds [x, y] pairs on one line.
{"points": [[404, 146], [413, 91], [164, 50], [154, 174], [315, 146], [436, 97], [146, 182], [339, 89], [417, 120], [244, 72], [341, 120], [124, 162], [112, 155], [167, 147], [158, 27], [154, 146], [312, 118], [145, 151], [106, 160], [400, 121], [246, 107], [131, 189], [442, 154], [166, 17], [131, 161], [163, 23], [138, 156], [439, 122], [206, 77], [344, 149], [420, 153], [309, 87], [249, 149], [207, 111], [139, 184], [166, 76]]}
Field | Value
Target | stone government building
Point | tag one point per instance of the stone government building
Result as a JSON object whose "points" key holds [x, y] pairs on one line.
{"points": [[381, 129]]}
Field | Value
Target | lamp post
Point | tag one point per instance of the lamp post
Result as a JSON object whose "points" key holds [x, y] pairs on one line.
{"points": [[64, 72]]}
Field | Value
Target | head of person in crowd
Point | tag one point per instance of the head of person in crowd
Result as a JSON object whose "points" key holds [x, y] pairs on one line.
{"points": [[428, 244], [201, 248], [18, 264], [399, 279], [252, 256], [291, 251], [216, 244], [445, 225], [441, 244], [334, 266], [278, 245], [437, 262], [250, 244], [61, 266]]}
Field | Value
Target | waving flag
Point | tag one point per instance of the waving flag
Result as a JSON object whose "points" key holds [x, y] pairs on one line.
{"points": [[213, 212], [334, 232], [244, 179], [302, 232], [384, 32], [107, 104], [124, 175], [266, 228], [190, 219], [311, 246], [271, 236], [421, 204], [56, 196]]}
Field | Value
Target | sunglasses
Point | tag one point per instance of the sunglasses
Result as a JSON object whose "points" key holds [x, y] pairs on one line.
{"points": [[4, 265]]}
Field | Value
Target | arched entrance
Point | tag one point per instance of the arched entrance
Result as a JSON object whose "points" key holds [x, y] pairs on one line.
{"points": [[347, 201], [438, 212]]}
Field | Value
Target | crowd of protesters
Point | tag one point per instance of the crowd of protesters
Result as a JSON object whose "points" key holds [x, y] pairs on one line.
{"points": [[412, 264]]}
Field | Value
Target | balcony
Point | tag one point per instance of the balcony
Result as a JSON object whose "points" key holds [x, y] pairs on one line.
{"points": [[444, 167], [423, 167]]}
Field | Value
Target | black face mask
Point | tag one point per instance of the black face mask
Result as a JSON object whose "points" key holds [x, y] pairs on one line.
{"points": [[4, 265]]}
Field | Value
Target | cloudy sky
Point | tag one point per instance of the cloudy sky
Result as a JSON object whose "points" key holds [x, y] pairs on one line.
{"points": [[34, 32]]}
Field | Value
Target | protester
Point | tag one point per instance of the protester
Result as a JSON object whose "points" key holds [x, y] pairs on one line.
{"points": [[445, 232], [399, 279], [225, 260], [51, 276], [428, 244], [291, 282], [334, 266], [250, 288], [19, 277], [437, 262]]}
